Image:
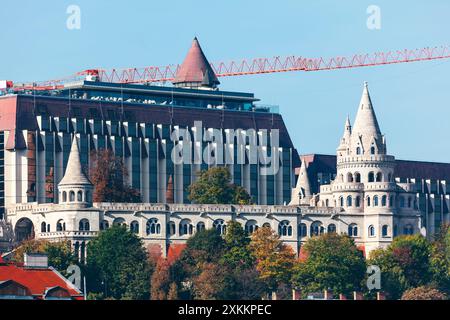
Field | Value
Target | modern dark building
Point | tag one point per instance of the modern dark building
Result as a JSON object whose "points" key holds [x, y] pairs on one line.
{"points": [[138, 123]]}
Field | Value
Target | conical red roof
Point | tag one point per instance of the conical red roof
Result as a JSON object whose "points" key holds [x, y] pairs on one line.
{"points": [[196, 70]]}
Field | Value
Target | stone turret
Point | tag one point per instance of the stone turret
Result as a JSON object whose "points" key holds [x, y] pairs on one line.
{"points": [[366, 137], [75, 187], [345, 141], [301, 194]]}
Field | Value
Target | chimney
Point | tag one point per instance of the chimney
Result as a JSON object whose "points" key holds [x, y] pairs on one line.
{"points": [[35, 260], [357, 295], [296, 294], [328, 294], [381, 295]]}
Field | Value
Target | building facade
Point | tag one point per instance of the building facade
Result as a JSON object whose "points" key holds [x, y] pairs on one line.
{"points": [[364, 200]]}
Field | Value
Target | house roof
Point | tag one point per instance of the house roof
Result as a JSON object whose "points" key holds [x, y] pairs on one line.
{"points": [[37, 280]]}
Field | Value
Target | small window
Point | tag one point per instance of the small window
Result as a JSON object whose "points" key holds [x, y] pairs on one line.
{"points": [[371, 231], [332, 228], [371, 177], [383, 201], [358, 201], [71, 196], [84, 225], [171, 228], [284, 229], [349, 201], [372, 150], [80, 196], [153, 226], [200, 227], [302, 230], [220, 226], [316, 228], [134, 227], [43, 227], [384, 230], [358, 150], [64, 196], [375, 201], [353, 230]]}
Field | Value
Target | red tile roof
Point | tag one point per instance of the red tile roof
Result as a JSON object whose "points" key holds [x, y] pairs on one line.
{"points": [[196, 68], [37, 281]]}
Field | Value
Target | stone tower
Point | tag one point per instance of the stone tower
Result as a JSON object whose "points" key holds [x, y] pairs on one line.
{"points": [[75, 187]]}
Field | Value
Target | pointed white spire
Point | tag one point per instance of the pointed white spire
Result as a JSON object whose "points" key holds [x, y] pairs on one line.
{"points": [[74, 174], [366, 121], [301, 194], [366, 131], [345, 140]]}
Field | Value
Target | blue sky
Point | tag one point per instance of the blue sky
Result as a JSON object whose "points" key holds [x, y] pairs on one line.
{"points": [[411, 100]]}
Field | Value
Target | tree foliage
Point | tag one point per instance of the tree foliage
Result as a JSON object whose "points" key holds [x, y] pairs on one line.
{"points": [[423, 293], [108, 174], [60, 254], [118, 265], [274, 260], [333, 262], [404, 264], [440, 260], [214, 186]]}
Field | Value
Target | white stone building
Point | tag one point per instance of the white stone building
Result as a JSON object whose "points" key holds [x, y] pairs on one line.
{"points": [[363, 201]]}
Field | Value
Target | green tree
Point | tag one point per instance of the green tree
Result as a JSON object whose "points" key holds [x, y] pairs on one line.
{"points": [[274, 259], [404, 264], [214, 186], [118, 266], [332, 262], [440, 259], [237, 254], [60, 254]]}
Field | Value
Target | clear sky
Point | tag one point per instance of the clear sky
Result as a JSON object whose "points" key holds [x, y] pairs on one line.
{"points": [[411, 100]]}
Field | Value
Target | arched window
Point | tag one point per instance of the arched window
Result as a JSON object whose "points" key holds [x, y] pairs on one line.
{"points": [[186, 227], [408, 229], [372, 150], [104, 225], [327, 202], [316, 228], [43, 227], [220, 226], [383, 201], [84, 225], [384, 230], [80, 196], [331, 228], [284, 229], [371, 231], [71, 196], [119, 222], [200, 226], [358, 150], [349, 201], [48, 227], [402, 202], [153, 226], [357, 201], [302, 230], [391, 201], [61, 225], [349, 177], [64, 196], [375, 201], [379, 177], [357, 177], [371, 177], [409, 202], [341, 177], [171, 228], [368, 201], [87, 196], [134, 227], [251, 226], [353, 230], [266, 225], [341, 201]]}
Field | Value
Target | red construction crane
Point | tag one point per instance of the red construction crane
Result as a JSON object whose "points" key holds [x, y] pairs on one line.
{"points": [[247, 67]]}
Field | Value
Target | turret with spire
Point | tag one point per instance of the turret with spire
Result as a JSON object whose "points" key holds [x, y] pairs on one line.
{"points": [[75, 187], [366, 134], [345, 140], [301, 194]]}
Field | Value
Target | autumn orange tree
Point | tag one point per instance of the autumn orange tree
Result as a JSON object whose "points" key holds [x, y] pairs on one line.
{"points": [[274, 259], [108, 175]]}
